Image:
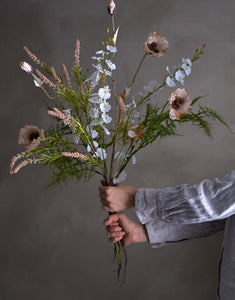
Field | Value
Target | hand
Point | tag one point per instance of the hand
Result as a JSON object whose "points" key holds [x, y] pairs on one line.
{"points": [[118, 227], [117, 198]]}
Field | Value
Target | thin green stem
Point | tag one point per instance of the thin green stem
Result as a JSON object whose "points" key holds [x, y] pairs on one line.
{"points": [[137, 71]]}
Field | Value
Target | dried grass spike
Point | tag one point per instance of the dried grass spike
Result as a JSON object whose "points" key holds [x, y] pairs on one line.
{"points": [[77, 52], [66, 75], [75, 155], [32, 56], [45, 79]]}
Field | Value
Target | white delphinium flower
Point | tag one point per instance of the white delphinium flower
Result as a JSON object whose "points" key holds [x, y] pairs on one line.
{"points": [[100, 69], [106, 118], [170, 81], [94, 112], [104, 93], [101, 153], [94, 133], [151, 86], [112, 49], [94, 78], [26, 67], [95, 144], [110, 64], [99, 52], [122, 176], [105, 107], [99, 58], [179, 76], [95, 99], [133, 160], [168, 70], [186, 65]]}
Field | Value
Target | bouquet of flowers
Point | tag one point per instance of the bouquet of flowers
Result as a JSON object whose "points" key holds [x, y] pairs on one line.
{"points": [[97, 129]]}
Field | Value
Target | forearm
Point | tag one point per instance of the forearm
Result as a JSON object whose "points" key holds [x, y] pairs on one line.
{"points": [[185, 204]]}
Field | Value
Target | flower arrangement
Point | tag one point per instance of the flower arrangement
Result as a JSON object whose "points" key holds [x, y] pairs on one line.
{"points": [[98, 130]]}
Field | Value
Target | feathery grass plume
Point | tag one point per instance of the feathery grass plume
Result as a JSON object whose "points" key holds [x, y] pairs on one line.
{"points": [[58, 114], [32, 56], [77, 52], [45, 79], [122, 106], [66, 75], [23, 164], [75, 155], [56, 77]]}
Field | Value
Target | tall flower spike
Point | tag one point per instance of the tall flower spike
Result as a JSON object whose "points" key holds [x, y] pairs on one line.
{"points": [[156, 44], [75, 155], [45, 79], [66, 75], [77, 52], [111, 7], [32, 56]]}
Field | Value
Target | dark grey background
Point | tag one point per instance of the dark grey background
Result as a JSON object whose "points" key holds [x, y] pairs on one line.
{"points": [[53, 244]]}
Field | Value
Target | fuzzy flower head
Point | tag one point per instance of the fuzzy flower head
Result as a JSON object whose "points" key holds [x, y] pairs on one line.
{"points": [[156, 44], [30, 136], [179, 103]]}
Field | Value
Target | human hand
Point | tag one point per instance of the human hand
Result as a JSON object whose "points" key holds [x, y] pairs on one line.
{"points": [[117, 198], [119, 227]]}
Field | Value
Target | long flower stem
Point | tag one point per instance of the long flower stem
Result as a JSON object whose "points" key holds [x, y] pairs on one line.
{"points": [[137, 71]]}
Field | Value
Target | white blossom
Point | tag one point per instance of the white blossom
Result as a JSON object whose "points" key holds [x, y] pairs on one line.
{"points": [[115, 37], [95, 144], [170, 81], [95, 99], [151, 86], [104, 93], [133, 160], [94, 113], [112, 49], [179, 76], [94, 78], [187, 61], [110, 64], [105, 107], [187, 69], [122, 176], [26, 67], [100, 52], [100, 152], [106, 118]]}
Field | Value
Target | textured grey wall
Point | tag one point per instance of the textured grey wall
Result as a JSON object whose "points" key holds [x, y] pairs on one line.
{"points": [[53, 244]]}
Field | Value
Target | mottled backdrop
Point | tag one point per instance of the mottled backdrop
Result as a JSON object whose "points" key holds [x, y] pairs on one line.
{"points": [[53, 245]]}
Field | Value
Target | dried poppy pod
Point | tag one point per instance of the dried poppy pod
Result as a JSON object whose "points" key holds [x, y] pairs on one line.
{"points": [[179, 103], [156, 44], [30, 136], [111, 7]]}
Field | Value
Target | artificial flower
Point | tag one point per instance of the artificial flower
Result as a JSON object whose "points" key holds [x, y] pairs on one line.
{"points": [[111, 7], [105, 107], [179, 103], [170, 81], [179, 76], [156, 44], [110, 64], [112, 49], [94, 112], [30, 136], [106, 118], [104, 93], [26, 67], [101, 153]]}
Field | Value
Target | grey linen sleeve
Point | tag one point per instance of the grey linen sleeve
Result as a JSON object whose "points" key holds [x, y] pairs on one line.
{"points": [[160, 232]]}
